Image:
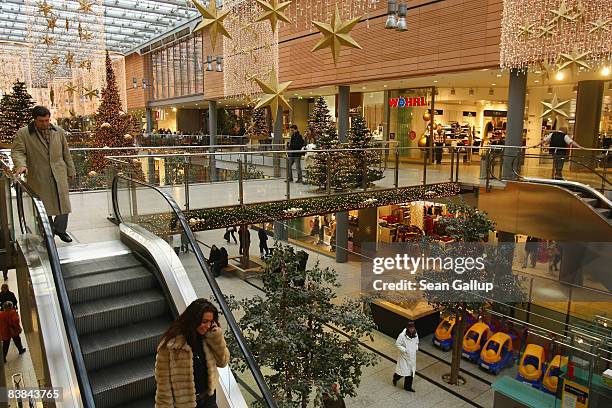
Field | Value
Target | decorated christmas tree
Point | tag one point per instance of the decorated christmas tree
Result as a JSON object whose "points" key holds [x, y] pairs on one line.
{"points": [[114, 128], [15, 112], [258, 127], [365, 162], [326, 138], [469, 228], [287, 331]]}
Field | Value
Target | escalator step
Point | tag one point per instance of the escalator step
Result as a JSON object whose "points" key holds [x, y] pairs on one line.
{"points": [[590, 201], [109, 283], [106, 313], [605, 212], [92, 266], [110, 347], [121, 383]]}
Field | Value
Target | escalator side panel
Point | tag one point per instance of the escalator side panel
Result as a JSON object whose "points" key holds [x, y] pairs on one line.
{"points": [[544, 211]]}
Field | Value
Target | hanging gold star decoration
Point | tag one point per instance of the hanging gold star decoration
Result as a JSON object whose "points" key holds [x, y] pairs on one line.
{"points": [[525, 30], [44, 8], [85, 64], [52, 23], [599, 26], [86, 36], [86, 6], [574, 59], [50, 69], [48, 41], [55, 61], [553, 108], [90, 93], [336, 34], [70, 89], [273, 94], [69, 59], [546, 31], [212, 21], [563, 13], [273, 11]]}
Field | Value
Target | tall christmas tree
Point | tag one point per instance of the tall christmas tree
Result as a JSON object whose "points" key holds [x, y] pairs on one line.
{"points": [[114, 128], [15, 112], [286, 329], [326, 138], [258, 127], [365, 162]]}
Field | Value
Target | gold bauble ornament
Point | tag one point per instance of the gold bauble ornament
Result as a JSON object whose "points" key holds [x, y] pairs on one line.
{"points": [[423, 141], [273, 11], [105, 125], [127, 136], [427, 116], [336, 34], [92, 174], [212, 21]]}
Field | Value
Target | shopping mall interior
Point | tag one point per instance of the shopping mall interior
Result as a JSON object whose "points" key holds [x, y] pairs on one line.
{"points": [[267, 203]]}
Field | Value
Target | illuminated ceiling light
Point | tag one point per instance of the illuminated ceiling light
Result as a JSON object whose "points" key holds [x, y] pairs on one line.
{"points": [[605, 71], [559, 76], [493, 84], [385, 85], [499, 75], [435, 81], [536, 81], [173, 109]]}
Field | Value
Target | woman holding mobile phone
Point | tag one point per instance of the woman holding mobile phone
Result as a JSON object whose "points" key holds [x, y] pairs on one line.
{"points": [[187, 359]]}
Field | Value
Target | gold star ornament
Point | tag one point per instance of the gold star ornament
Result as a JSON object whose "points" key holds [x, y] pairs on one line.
{"points": [[600, 25], [563, 13], [526, 30], [70, 89], [52, 23], [48, 41], [212, 21], [574, 59], [273, 94], [90, 93], [553, 108], [336, 34], [69, 59], [273, 11], [86, 6], [44, 8], [546, 31]]}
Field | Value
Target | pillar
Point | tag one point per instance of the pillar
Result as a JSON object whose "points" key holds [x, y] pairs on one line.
{"points": [[344, 93], [517, 88], [149, 126], [588, 117], [212, 132], [277, 139]]}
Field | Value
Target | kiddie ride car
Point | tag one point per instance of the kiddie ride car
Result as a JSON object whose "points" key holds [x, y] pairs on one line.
{"points": [[531, 365], [497, 353], [551, 376], [444, 334], [474, 339]]}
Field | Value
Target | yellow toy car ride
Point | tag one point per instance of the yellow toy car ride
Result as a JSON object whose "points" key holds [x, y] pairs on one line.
{"points": [[531, 365], [475, 337], [551, 376], [497, 353], [443, 336]]}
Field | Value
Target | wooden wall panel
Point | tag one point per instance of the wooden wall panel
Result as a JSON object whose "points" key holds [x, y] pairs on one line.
{"points": [[135, 68]]}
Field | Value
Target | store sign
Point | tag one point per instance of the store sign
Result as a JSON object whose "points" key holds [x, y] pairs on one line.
{"points": [[495, 113], [469, 114], [403, 102]]}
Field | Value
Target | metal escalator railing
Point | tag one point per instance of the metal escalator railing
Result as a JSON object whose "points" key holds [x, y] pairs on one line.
{"points": [[179, 222], [44, 229]]}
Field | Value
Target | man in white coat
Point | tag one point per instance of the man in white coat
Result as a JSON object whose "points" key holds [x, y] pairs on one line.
{"points": [[407, 344]]}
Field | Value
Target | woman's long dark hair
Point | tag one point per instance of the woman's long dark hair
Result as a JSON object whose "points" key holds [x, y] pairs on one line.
{"points": [[187, 323]]}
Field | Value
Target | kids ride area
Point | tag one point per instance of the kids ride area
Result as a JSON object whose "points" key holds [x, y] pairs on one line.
{"points": [[497, 353]]}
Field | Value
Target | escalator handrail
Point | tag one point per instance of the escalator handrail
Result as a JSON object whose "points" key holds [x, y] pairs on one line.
{"points": [[231, 321], [575, 184], [62, 294], [567, 159]]}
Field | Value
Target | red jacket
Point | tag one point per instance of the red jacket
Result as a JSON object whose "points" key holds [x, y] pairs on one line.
{"points": [[9, 325]]}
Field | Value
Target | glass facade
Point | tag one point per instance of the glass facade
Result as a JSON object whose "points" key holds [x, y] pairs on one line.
{"points": [[177, 69]]}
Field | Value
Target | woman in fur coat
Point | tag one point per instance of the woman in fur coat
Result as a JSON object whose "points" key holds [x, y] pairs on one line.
{"points": [[187, 359]]}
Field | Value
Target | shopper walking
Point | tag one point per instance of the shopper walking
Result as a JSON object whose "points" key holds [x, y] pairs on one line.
{"points": [[214, 259], [7, 295], [187, 359], [10, 328], [263, 243], [230, 232], [559, 143], [296, 143], [531, 251], [407, 343], [40, 151]]}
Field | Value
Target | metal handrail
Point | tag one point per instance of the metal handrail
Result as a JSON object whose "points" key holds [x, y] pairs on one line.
{"points": [[62, 293], [569, 160], [231, 321]]}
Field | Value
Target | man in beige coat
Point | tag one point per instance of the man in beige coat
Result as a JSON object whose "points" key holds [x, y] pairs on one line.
{"points": [[40, 151]]}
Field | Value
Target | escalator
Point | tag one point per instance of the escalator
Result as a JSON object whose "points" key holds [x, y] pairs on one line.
{"points": [[120, 312], [101, 309], [556, 210]]}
